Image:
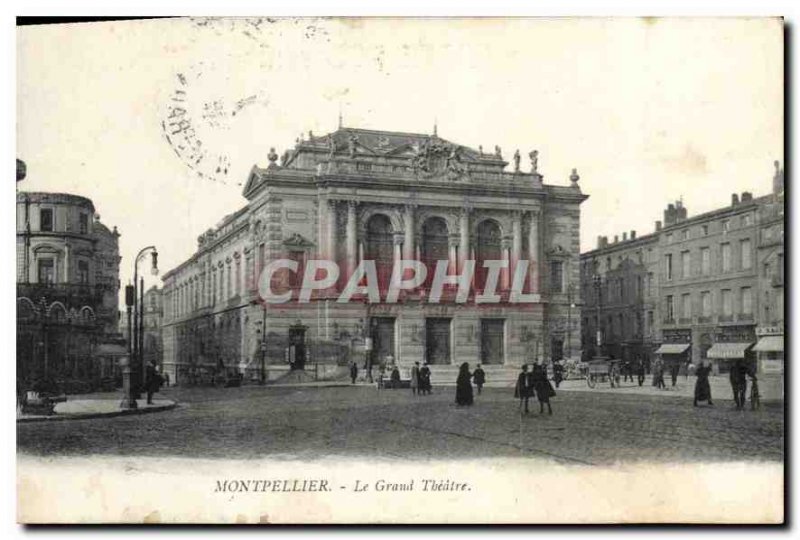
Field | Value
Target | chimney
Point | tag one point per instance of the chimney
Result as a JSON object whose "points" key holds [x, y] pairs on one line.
{"points": [[777, 179], [624, 236], [616, 238], [599, 241], [658, 226], [734, 199], [670, 215], [682, 213], [633, 235], [747, 196]]}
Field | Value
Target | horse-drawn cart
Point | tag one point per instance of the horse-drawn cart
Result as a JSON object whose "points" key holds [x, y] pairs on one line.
{"points": [[603, 369]]}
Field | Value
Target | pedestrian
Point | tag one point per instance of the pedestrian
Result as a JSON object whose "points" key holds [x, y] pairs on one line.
{"points": [[738, 378], [381, 376], [425, 379], [153, 381], [464, 386], [479, 376], [524, 388], [702, 390], [166, 380], [542, 387], [673, 371], [414, 378], [353, 372], [558, 372], [640, 371], [627, 371], [394, 378]]}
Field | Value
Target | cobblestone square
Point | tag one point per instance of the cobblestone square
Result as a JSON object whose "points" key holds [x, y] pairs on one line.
{"points": [[255, 422]]}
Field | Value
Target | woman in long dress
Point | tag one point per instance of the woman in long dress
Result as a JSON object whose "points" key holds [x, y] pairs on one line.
{"points": [[542, 387], [702, 390], [464, 385]]}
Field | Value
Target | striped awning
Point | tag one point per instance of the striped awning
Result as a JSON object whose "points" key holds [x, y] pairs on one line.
{"points": [[673, 348], [769, 344], [728, 350]]}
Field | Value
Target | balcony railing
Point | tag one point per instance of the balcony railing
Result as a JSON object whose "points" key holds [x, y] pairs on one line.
{"points": [[744, 317], [669, 320], [705, 319], [725, 318], [71, 292], [685, 320]]}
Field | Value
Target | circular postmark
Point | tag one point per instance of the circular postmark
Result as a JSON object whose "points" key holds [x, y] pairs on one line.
{"points": [[199, 120]]}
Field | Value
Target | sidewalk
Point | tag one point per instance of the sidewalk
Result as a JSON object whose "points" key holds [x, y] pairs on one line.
{"points": [[97, 408]]}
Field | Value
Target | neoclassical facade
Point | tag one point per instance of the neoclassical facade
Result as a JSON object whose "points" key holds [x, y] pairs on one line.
{"points": [[356, 195]]}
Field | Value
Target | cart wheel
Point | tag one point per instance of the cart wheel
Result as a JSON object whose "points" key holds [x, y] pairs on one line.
{"points": [[590, 381]]}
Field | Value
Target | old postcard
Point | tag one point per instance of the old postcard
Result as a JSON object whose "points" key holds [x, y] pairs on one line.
{"points": [[400, 271]]}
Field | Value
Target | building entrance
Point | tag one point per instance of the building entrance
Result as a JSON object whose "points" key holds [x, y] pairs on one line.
{"points": [[492, 340], [437, 340]]}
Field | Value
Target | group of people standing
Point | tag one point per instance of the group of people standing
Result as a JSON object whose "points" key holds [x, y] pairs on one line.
{"points": [[420, 379], [534, 383], [464, 395]]}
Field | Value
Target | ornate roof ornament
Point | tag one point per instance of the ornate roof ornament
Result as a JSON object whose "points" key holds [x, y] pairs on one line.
{"points": [[534, 156], [574, 177], [436, 159], [272, 157]]}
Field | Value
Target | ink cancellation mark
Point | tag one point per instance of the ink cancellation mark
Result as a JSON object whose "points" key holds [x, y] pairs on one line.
{"points": [[198, 121]]}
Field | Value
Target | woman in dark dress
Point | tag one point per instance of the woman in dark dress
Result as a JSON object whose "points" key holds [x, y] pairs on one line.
{"points": [[425, 379], [702, 390], [542, 387], [464, 386], [394, 378]]}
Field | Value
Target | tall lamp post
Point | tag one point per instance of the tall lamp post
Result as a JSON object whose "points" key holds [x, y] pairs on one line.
{"points": [[570, 304], [263, 342], [137, 358]]}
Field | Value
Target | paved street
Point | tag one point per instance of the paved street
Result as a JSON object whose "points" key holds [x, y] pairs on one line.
{"points": [[586, 428]]}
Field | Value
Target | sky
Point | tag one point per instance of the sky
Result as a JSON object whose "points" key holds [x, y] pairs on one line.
{"points": [[648, 110]]}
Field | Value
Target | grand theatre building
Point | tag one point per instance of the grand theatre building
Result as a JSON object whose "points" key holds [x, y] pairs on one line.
{"points": [[361, 195]]}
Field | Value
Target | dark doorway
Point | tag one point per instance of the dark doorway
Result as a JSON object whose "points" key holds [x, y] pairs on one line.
{"points": [[382, 339], [492, 338], [437, 340], [556, 349], [297, 346]]}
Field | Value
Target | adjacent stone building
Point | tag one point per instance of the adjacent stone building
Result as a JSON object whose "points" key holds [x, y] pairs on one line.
{"points": [[706, 277], [359, 194], [67, 290]]}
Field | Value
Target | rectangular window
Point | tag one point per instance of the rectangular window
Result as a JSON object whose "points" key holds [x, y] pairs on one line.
{"points": [[686, 305], [46, 219], [779, 270], [747, 301], [650, 321], [725, 225], [686, 264], [747, 260], [685, 234], [727, 303], [726, 257], [668, 266], [705, 230], [705, 303], [83, 272], [670, 308], [705, 261], [747, 220], [556, 276], [296, 278], [669, 238], [84, 223], [47, 271]]}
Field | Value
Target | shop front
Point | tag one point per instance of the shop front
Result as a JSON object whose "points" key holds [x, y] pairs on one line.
{"points": [[676, 348], [769, 359]]}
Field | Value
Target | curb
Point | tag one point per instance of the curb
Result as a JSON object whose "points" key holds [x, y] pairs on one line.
{"points": [[89, 416]]}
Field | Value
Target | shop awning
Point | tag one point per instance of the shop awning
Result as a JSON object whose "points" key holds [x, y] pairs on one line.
{"points": [[110, 349], [673, 348], [728, 350], [769, 344]]}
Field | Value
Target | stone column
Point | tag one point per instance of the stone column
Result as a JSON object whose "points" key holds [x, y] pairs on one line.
{"points": [[408, 241], [463, 250], [533, 252], [330, 233], [452, 254], [516, 241], [350, 238], [505, 279]]}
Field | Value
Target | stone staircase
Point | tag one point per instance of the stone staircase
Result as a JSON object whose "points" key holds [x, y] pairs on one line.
{"points": [[496, 375]]}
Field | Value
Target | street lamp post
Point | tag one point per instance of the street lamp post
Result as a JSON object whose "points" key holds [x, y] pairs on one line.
{"points": [[137, 370], [263, 345], [570, 305], [129, 399]]}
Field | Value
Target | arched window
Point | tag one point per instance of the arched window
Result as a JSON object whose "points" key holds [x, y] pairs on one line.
{"points": [[434, 245], [379, 248], [487, 248]]}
